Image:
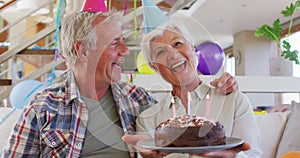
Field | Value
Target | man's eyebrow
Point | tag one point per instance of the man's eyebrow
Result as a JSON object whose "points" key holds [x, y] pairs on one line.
{"points": [[119, 37]]}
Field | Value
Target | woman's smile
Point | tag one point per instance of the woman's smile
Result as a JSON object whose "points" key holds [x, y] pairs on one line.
{"points": [[178, 67]]}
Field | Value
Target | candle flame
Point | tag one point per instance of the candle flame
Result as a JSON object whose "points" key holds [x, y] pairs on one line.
{"points": [[207, 96], [173, 101], [189, 97], [189, 104]]}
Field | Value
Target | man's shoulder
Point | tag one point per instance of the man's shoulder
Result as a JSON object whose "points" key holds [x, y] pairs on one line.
{"points": [[50, 98]]}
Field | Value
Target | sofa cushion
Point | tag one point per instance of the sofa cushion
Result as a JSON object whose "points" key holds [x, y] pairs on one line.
{"points": [[290, 140], [271, 126]]}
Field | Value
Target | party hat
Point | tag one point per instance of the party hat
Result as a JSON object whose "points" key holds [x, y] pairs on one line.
{"points": [[94, 6], [153, 16]]}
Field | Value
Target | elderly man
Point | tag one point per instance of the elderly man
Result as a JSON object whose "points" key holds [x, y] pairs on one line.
{"points": [[87, 114]]}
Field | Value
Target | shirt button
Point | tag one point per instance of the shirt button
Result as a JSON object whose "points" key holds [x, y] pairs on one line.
{"points": [[53, 143], [79, 145]]}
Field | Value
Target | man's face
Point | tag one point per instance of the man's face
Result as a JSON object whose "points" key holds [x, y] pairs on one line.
{"points": [[112, 50], [174, 58]]}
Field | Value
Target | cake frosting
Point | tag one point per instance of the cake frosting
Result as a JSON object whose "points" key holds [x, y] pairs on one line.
{"points": [[189, 132]]}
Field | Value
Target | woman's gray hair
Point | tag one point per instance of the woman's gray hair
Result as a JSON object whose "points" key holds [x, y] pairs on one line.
{"points": [[146, 40], [79, 27]]}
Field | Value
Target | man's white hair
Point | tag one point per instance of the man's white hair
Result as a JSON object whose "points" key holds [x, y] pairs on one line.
{"points": [[79, 27]]}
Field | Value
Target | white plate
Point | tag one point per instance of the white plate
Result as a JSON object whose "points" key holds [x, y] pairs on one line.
{"points": [[230, 143]]}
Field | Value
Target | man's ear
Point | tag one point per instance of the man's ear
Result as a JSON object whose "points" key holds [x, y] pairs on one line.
{"points": [[80, 50]]}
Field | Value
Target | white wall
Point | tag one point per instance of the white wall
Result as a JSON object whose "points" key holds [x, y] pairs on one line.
{"points": [[253, 59]]}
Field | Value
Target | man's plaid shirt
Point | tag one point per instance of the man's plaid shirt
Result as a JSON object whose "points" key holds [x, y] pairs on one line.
{"points": [[53, 123]]}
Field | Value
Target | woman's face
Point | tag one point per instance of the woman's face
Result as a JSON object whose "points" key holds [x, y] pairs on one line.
{"points": [[174, 58]]}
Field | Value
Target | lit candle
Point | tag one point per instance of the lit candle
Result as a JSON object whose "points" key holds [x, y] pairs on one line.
{"points": [[207, 99], [189, 105], [174, 108]]}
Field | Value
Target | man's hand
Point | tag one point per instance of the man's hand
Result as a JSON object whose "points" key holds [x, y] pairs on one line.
{"points": [[227, 153], [133, 139], [226, 84]]}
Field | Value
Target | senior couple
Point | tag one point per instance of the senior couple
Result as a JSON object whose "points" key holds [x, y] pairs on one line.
{"points": [[93, 114]]}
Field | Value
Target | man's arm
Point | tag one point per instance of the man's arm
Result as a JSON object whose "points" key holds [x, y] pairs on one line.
{"points": [[24, 139]]}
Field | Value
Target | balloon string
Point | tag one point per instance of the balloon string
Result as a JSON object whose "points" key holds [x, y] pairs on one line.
{"points": [[63, 72], [131, 77], [7, 115], [124, 13], [125, 7], [27, 97], [135, 20], [56, 55]]}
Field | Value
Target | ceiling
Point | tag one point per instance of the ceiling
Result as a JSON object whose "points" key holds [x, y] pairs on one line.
{"points": [[219, 20]]}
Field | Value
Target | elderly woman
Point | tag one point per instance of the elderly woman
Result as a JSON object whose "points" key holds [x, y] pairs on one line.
{"points": [[170, 53]]}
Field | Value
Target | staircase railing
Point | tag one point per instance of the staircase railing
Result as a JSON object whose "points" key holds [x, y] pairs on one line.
{"points": [[26, 16], [11, 53], [7, 4]]}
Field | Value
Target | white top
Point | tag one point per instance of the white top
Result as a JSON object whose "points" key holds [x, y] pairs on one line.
{"points": [[234, 111]]}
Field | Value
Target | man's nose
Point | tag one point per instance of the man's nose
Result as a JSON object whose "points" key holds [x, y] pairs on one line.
{"points": [[124, 50]]}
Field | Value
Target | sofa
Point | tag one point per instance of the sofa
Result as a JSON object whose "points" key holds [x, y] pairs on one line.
{"points": [[279, 131]]}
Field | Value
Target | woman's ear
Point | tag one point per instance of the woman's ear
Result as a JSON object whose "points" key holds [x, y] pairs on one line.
{"points": [[153, 66], [80, 51]]}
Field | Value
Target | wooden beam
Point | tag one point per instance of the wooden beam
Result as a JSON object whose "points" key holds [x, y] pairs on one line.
{"points": [[37, 52], [33, 75], [229, 52], [36, 73], [120, 4], [3, 49], [5, 82], [4, 34], [10, 53], [294, 29], [7, 4]]}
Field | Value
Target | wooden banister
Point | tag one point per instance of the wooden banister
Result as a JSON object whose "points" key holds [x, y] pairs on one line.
{"points": [[5, 82], [7, 4]]}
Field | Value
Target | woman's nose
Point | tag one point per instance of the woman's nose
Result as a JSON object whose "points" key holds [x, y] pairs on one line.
{"points": [[172, 53]]}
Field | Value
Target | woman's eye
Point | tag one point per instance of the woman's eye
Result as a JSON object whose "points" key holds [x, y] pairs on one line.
{"points": [[177, 44], [160, 53]]}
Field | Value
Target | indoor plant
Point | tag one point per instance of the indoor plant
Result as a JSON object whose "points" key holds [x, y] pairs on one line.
{"points": [[274, 33]]}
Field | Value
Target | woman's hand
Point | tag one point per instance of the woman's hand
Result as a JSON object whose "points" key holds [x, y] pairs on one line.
{"points": [[133, 139], [226, 84], [227, 153]]}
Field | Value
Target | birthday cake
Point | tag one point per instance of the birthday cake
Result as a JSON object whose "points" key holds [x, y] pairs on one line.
{"points": [[189, 132]]}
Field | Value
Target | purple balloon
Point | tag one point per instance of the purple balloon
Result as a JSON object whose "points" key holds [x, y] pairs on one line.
{"points": [[210, 57]]}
